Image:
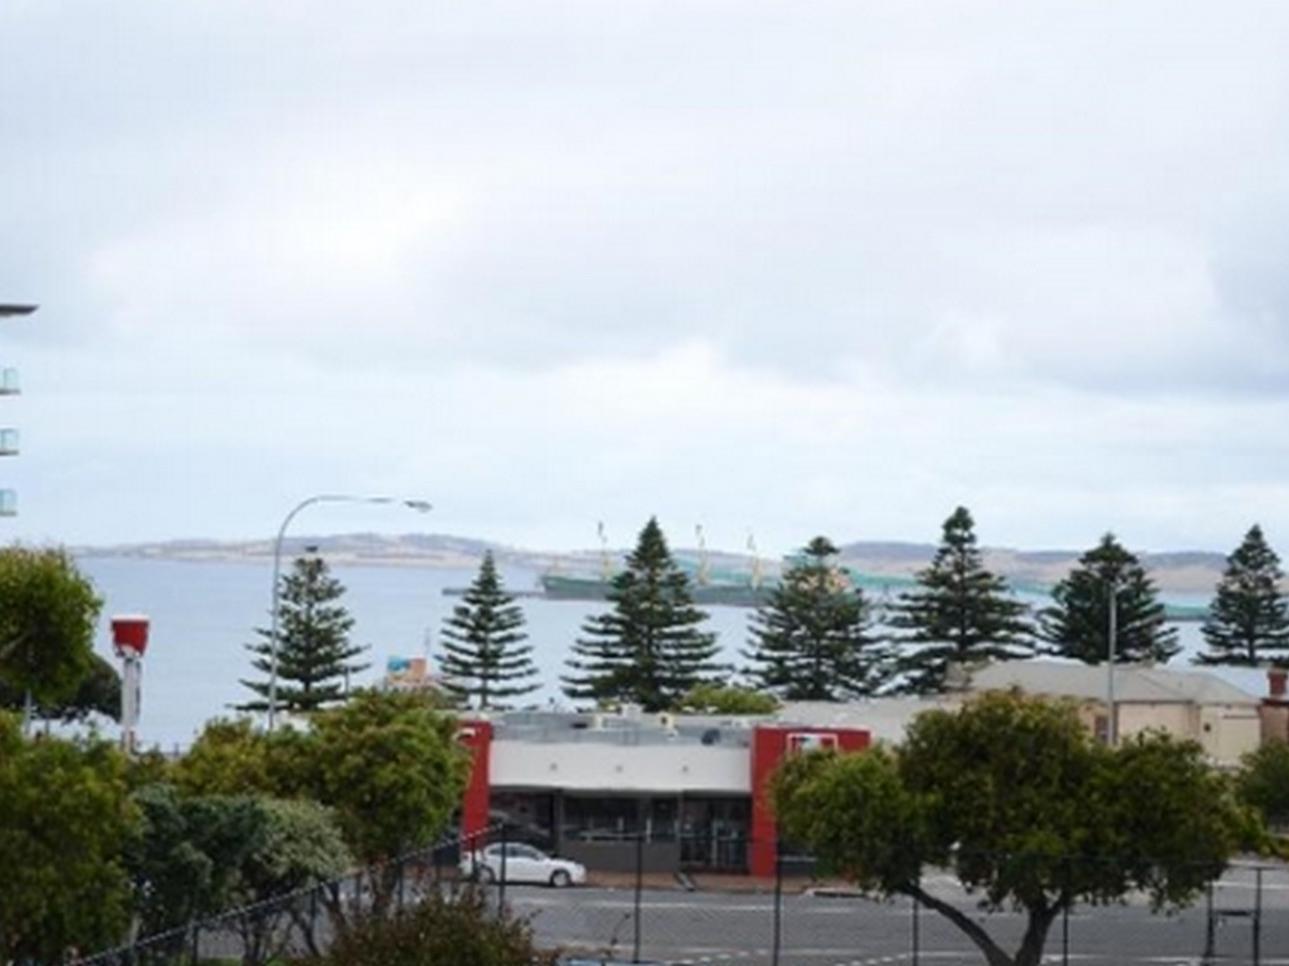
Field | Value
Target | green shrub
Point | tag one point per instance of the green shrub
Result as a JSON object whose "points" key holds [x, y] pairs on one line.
{"points": [[457, 931], [1263, 782]]}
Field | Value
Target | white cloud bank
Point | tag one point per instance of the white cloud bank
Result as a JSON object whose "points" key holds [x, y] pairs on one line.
{"points": [[835, 267]]}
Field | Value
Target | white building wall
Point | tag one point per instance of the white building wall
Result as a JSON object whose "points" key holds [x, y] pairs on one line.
{"points": [[1229, 732], [1224, 731], [592, 766], [1174, 718]]}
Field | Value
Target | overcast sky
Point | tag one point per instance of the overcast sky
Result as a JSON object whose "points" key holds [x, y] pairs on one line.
{"points": [[793, 268]]}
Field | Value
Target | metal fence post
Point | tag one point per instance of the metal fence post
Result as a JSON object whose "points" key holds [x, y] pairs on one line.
{"points": [[917, 908], [402, 876], [635, 945], [777, 944], [312, 939], [1065, 917], [1209, 938], [1257, 918], [196, 942], [501, 880]]}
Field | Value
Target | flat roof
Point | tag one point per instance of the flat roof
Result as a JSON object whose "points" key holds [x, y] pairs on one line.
{"points": [[1133, 682], [548, 727]]}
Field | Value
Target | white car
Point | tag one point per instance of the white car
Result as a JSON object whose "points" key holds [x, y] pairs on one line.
{"points": [[521, 863]]}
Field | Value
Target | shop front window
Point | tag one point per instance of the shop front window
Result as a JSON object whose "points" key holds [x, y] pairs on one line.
{"points": [[660, 820], [526, 816], [600, 819], [714, 833]]}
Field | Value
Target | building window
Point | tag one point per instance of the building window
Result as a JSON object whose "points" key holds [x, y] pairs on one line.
{"points": [[660, 820], [600, 819], [809, 741], [528, 816], [714, 833]]}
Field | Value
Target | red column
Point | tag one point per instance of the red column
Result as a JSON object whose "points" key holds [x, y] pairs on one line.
{"points": [[767, 748], [477, 737], [769, 745]]}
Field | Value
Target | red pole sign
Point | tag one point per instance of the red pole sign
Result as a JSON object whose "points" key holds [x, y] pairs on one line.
{"points": [[130, 634]]}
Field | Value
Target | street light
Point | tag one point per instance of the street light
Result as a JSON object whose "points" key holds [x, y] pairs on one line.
{"points": [[1112, 592], [420, 506]]}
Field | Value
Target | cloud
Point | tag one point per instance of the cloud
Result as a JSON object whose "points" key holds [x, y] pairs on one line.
{"points": [[848, 262]]}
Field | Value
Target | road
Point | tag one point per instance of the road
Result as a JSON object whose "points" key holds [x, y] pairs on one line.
{"points": [[691, 928]]}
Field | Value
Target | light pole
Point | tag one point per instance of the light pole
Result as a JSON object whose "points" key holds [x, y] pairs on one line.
{"points": [[421, 506], [1112, 593]]}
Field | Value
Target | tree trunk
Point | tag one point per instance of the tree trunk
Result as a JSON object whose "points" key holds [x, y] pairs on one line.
{"points": [[1035, 938], [994, 954], [1030, 952]]}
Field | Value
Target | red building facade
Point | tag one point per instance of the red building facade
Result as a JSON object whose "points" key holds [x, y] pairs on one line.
{"points": [[654, 786]]}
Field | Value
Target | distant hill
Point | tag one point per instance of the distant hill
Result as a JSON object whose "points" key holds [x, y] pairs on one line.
{"points": [[1176, 572], [414, 549], [1187, 571]]}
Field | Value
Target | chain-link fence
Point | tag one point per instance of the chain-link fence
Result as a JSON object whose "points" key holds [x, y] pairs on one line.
{"points": [[301, 923], [691, 916]]}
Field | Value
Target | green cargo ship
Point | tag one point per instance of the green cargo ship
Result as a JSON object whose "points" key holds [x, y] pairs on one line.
{"points": [[743, 593], [731, 594], [734, 590]]}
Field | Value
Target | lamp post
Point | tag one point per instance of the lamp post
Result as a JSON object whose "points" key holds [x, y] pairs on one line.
{"points": [[1112, 592], [421, 506]]}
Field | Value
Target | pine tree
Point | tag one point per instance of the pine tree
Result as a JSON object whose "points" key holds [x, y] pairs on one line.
{"points": [[1078, 622], [485, 660], [1249, 615], [647, 649], [960, 613], [314, 656], [810, 641]]}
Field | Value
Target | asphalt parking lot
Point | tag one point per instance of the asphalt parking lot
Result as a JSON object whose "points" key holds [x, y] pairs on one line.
{"points": [[677, 927]]}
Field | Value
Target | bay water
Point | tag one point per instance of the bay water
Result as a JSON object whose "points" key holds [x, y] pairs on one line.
{"points": [[204, 613]]}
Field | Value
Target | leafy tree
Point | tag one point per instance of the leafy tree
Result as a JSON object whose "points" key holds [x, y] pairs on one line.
{"points": [[386, 764], [961, 613], [726, 699], [389, 765], [391, 748], [1263, 782], [440, 931], [234, 758], [197, 856], [485, 658], [1249, 615], [1015, 798], [98, 693], [314, 655], [186, 858], [299, 846], [811, 640], [47, 615], [66, 816], [1078, 622], [150, 767], [647, 649]]}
